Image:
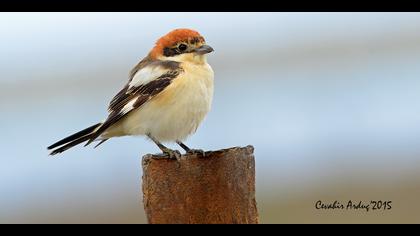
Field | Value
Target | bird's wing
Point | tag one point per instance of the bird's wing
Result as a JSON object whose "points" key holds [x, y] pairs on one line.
{"points": [[144, 84]]}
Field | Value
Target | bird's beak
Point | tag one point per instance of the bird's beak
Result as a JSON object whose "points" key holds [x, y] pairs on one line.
{"points": [[203, 50]]}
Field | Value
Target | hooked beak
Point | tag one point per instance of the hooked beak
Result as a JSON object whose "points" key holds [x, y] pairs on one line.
{"points": [[203, 50]]}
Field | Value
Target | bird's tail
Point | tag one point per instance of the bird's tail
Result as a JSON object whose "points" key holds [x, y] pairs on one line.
{"points": [[74, 139]]}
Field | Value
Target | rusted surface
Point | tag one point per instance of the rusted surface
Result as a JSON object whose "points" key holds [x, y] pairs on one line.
{"points": [[216, 188]]}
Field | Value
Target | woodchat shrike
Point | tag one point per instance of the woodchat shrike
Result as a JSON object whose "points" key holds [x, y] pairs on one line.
{"points": [[167, 96]]}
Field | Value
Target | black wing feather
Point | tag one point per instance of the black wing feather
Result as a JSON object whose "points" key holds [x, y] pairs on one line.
{"points": [[142, 94]]}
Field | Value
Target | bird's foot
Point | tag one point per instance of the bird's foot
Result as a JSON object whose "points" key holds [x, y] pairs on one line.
{"points": [[197, 151], [172, 154]]}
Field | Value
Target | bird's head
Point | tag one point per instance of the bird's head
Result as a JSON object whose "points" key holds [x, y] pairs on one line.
{"points": [[181, 45]]}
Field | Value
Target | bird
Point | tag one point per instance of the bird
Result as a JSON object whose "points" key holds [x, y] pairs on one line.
{"points": [[168, 94]]}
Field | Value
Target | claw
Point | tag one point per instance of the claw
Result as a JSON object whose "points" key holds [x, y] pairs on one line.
{"points": [[172, 154], [197, 151]]}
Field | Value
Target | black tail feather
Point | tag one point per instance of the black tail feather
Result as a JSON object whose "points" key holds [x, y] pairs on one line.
{"points": [[73, 139], [69, 145], [75, 136], [101, 142]]}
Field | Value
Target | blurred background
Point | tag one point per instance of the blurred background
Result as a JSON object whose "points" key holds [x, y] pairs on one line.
{"points": [[330, 102]]}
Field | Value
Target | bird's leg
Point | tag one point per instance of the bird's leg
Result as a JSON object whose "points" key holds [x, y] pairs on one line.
{"points": [[185, 147], [173, 154], [189, 150]]}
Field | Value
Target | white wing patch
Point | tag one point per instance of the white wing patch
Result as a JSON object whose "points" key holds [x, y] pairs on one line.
{"points": [[128, 107], [146, 75]]}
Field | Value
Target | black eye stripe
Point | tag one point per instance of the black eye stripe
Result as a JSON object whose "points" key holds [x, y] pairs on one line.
{"points": [[169, 52], [175, 50]]}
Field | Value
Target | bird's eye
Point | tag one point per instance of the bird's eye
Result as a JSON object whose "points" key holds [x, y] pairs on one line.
{"points": [[182, 47]]}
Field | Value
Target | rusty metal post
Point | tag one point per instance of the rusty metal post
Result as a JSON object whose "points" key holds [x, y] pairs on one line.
{"points": [[216, 188]]}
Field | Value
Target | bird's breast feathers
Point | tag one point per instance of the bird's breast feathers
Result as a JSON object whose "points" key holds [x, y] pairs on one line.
{"points": [[172, 113], [193, 85]]}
